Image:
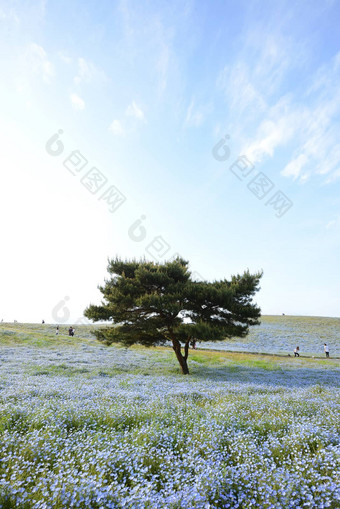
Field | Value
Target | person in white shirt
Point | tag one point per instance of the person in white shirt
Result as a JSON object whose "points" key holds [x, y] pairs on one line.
{"points": [[326, 350]]}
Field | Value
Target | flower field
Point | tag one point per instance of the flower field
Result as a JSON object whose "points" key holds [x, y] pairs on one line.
{"points": [[281, 334], [82, 425]]}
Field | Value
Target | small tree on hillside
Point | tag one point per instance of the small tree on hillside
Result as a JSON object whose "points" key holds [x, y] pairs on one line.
{"points": [[151, 304]]}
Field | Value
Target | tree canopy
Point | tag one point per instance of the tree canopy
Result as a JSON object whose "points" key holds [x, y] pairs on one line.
{"points": [[157, 303]]}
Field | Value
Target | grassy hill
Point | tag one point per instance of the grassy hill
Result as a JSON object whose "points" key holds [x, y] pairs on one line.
{"points": [[276, 335]]}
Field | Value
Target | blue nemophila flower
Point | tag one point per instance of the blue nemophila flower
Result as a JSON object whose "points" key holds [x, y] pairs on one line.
{"points": [[132, 442]]}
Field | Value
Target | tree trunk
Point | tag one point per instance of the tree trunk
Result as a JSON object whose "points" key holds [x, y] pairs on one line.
{"points": [[182, 359]]}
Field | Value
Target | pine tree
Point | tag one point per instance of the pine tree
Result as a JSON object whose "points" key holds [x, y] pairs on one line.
{"points": [[153, 304]]}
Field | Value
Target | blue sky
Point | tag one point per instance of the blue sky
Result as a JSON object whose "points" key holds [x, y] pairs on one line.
{"points": [[143, 93]]}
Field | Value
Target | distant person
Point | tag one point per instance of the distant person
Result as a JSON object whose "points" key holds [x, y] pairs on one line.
{"points": [[193, 344], [70, 331], [57, 330], [43, 321], [297, 352], [326, 350]]}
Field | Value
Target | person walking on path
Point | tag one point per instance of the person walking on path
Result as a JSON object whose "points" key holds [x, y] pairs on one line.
{"points": [[297, 352], [326, 350], [57, 330]]}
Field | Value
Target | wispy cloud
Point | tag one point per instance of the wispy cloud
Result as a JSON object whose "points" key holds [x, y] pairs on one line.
{"points": [[133, 110], [9, 14], [275, 130], [295, 166], [77, 102], [162, 66], [317, 133], [304, 122], [240, 90], [116, 128], [132, 117], [87, 72], [39, 63], [194, 116], [64, 57], [334, 224], [152, 31]]}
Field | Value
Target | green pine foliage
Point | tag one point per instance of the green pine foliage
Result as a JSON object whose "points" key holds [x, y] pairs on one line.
{"points": [[151, 304]]}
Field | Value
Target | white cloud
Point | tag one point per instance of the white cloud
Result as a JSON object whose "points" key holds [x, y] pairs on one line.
{"points": [[334, 224], [306, 125], [162, 66], [39, 63], [116, 128], [239, 89], [264, 120], [9, 15], [193, 117], [275, 130], [65, 58], [334, 176], [316, 130], [197, 114], [273, 56], [294, 167], [253, 79], [87, 72], [152, 32], [77, 102], [309, 131], [134, 111]]}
